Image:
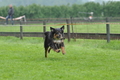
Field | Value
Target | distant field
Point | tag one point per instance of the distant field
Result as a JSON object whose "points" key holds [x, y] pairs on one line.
{"points": [[91, 28], [84, 60]]}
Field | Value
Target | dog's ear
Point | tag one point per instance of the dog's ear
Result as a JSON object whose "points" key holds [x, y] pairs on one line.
{"points": [[62, 28], [52, 29]]}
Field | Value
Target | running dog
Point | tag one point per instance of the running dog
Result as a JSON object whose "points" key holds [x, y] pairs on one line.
{"points": [[54, 39]]}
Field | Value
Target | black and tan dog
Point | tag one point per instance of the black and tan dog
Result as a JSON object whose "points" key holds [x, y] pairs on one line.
{"points": [[54, 40]]}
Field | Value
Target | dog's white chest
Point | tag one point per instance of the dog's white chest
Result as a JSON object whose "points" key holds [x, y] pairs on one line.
{"points": [[57, 41]]}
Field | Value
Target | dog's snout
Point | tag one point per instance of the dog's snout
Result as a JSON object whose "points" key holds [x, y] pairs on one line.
{"points": [[59, 36]]}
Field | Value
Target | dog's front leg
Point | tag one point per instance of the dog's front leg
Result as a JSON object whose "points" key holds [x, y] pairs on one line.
{"points": [[63, 50]]}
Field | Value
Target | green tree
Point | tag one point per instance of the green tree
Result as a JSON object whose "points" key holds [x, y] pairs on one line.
{"points": [[110, 9]]}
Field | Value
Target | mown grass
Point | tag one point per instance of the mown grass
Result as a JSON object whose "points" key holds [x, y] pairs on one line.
{"points": [[84, 60]]}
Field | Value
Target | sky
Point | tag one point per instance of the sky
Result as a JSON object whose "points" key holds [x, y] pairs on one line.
{"points": [[48, 2], [105, 0]]}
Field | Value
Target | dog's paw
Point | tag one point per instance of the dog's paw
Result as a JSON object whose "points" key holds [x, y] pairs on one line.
{"points": [[57, 50], [63, 53]]}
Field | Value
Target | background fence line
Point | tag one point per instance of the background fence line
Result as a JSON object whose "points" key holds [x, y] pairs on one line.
{"points": [[71, 33]]}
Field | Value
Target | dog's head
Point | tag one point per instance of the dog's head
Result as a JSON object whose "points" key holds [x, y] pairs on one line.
{"points": [[58, 33]]}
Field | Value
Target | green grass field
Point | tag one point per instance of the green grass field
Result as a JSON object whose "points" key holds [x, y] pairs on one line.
{"points": [[84, 60]]}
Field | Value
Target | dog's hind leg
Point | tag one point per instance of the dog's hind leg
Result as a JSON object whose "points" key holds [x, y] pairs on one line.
{"points": [[46, 51], [49, 50], [57, 50]]}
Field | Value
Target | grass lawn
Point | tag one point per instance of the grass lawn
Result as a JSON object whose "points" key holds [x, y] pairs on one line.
{"points": [[84, 60]]}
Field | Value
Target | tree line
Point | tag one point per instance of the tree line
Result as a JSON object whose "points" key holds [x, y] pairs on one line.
{"points": [[109, 9]]}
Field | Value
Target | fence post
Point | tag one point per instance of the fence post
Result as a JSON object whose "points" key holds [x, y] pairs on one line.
{"points": [[21, 30], [108, 30], [44, 28], [68, 29], [73, 36]]}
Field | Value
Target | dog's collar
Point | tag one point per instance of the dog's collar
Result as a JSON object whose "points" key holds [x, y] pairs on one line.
{"points": [[57, 41]]}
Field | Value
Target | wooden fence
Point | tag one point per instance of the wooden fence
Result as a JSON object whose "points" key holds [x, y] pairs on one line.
{"points": [[107, 36]]}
